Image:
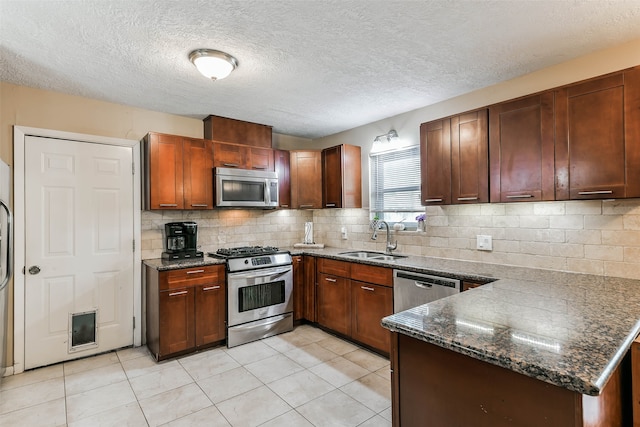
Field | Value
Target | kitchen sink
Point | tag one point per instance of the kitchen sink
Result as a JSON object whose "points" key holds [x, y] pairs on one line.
{"points": [[379, 256]]}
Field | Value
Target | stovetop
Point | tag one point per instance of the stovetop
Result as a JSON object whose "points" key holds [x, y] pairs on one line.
{"points": [[245, 251], [252, 257]]}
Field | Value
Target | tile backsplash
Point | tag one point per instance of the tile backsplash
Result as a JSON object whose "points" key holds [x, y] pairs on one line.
{"points": [[595, 237]]}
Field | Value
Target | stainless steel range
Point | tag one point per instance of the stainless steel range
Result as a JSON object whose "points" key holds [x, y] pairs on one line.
{"points": [[259, 286]]}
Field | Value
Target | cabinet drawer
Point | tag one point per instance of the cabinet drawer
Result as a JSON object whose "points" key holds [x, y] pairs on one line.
{"points": [[191, 276], [372, 274], [331, 266]]}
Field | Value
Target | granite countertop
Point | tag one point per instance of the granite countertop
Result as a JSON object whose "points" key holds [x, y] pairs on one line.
{"points": [[570, 330], [164, 265]]}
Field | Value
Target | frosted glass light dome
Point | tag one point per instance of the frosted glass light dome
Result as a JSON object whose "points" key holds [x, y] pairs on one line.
{"points": [[213, 64]]}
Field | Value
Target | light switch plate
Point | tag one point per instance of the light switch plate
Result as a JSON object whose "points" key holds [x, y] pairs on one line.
{"points": [[484, 242]]}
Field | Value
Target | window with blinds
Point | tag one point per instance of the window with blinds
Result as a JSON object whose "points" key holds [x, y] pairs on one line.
{"points": [[395, 185]]}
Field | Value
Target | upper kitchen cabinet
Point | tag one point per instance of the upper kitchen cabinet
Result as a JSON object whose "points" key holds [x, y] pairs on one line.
{"points": [[306, 179], [455, 159], [283, 166], [237, 131], [521, 146], [178, 172], [470, 157], [242, 157], [341, 177], [435, 161], [598, 138]]}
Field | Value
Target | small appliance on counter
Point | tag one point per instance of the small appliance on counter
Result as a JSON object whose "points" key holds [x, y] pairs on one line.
{"points": [[180, 241]]}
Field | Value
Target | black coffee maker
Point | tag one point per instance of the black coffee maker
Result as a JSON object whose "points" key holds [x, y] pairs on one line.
{"points": [[180, 240]]}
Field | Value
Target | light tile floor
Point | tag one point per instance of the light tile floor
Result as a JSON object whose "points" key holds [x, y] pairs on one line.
{"points": [[302, 378]]}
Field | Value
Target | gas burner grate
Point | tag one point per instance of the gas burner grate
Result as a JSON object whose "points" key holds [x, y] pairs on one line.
{"points": [[247, 251]]}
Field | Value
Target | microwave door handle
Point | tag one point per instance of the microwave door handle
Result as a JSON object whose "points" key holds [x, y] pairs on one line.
{"points": [[267, 192], [9, 266]]}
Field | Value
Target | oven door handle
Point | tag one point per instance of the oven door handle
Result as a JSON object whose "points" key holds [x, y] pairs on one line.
{"points": [[253, 275]]}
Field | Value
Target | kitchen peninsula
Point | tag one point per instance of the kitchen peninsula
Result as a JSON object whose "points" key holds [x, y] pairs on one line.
{"points": [[548, 348]]}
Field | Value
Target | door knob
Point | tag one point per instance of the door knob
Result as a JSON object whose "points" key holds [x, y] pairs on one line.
{"points": [[34, 269]]}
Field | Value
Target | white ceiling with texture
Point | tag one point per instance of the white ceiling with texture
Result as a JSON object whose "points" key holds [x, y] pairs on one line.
{"points": [[309, 68]]}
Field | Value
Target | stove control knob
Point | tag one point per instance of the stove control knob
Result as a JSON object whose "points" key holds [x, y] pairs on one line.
{"points": [[246, 261]]}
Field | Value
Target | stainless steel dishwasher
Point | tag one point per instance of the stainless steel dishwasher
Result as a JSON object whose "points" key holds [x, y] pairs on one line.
{"points": [[413, 289]]}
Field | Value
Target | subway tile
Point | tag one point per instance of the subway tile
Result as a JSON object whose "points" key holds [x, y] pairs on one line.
{"points": [[567, 250], [621, 238], [534, 221], [505, 221], [587, 237], [571, 222], [622, 269], [603, 222], [535, 248], [519, 208], [631, 255], [631, 222], [549, 208], [493, 209], [586, 266], [586, 207], [604, 252]]}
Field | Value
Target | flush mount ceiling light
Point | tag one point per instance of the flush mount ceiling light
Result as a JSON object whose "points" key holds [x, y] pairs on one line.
{"points": [[388, 136], [213, 64]]}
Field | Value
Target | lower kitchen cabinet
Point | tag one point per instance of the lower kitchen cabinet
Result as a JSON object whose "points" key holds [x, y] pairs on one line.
{"points": [[352, 299], [369, 304], [185, 309], [309, 284], [333, 303], [298, 287]]}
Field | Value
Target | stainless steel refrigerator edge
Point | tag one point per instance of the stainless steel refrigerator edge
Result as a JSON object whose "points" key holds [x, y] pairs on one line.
{"points": [[6, 248]]}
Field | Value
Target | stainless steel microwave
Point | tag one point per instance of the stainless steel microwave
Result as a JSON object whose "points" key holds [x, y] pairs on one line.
{"points": [[243, 188]]}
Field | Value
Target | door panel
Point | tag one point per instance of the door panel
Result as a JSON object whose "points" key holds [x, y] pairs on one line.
{"points": [[79, 233]]}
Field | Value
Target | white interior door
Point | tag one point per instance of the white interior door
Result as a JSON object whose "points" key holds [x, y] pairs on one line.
{"points": [[78, 249]]}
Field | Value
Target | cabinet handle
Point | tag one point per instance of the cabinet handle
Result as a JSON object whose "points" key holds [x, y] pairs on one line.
{"points": [[284, 206], [306, 206], [366, 288], [466, 199], [210, 288], [198, 206], [328, 279], [298, 260], [173, 294], [432, 200], [330, 205], [231, 165], [587, 193], [168, 205], [195, 271], [260, 168], [520, 196]]}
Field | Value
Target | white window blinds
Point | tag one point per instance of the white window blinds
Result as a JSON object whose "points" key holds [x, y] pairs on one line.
{"points": [[395, 181]]}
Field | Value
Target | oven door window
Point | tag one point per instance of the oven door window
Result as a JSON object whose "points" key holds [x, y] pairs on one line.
{"points": [[259, 296], [242, 191]]}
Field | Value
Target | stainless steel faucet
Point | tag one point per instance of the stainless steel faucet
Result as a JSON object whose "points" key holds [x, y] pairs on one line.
{"points": [[374, 236]]}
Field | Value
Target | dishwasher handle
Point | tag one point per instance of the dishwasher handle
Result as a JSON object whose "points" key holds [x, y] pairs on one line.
{"points": [[423, 285], [427, 281]]}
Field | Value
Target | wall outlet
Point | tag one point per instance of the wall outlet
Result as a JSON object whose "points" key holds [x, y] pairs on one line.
{"points": [[343, 231], [484, 243]]}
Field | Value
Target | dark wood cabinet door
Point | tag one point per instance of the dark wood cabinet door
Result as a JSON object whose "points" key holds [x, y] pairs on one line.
{"points": [[310, 287], [590, 154], [435, 162], [298, 287], [282, 166], [237, 131], [164, 185], [306, 180], [230, 155], [369, 304], [521, 146], [333, 303], [332, 177], [198, 175], [260, 159], [176, 321], [470, 157], [210, 313], [598, 138]]}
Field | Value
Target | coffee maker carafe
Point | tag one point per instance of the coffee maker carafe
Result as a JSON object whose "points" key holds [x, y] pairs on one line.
{"points": [[180, 240]]}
